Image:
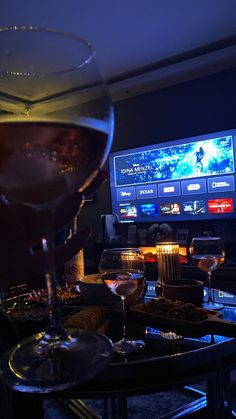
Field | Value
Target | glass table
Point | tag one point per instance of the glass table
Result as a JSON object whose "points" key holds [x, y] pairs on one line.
{"points": [[164, 364]]}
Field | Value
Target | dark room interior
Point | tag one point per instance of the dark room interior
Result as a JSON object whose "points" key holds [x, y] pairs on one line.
{"points": [[167, 75]]}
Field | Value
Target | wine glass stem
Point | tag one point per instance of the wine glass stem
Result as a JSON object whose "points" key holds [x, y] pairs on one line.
{"points": [[54, 327], [210, 296], [124, 315]]}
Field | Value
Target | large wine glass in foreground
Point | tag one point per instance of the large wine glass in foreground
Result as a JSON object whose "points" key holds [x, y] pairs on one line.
{"points": [[122, 270], [56, 127], [208, 253]]}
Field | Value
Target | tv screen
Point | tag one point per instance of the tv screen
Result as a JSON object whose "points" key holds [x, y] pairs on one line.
{"points": [[186, 179]]}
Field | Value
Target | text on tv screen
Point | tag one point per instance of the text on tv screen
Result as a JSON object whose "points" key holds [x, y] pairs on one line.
{"points": [[186, 179]]}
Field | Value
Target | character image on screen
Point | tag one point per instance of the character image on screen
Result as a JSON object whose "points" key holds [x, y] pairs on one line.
{"points": [[148, 210], [194, 207], [175, 209], [170, 209], [180, 161], [129, 211], [199, 156]]}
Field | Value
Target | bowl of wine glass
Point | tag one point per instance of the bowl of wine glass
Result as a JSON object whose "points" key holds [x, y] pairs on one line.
{"points": [[208, 253], [94, 291], [122, 271]]}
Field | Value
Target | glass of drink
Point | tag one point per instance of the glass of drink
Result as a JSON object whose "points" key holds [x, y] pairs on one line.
{"points": [[122, 270], [208, 253], [56, 128]]}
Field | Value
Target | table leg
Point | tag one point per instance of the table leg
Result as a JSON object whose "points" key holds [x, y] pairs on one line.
{"points": [[105, 409], [119, 408], [26, 405], [216, 397], [122, 408]]}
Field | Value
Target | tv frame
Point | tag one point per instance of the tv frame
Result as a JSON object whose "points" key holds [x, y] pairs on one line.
{"points": [[227, 197]]}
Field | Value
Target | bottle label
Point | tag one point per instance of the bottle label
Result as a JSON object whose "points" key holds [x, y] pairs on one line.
{"points": [[74, 268]]}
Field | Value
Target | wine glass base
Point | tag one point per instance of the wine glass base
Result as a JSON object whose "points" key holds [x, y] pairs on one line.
{"points": [[69, 362], [212, 306], [126, 346]]}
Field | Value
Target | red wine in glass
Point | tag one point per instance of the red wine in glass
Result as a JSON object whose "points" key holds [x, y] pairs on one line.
{"points": [[56, 129]]}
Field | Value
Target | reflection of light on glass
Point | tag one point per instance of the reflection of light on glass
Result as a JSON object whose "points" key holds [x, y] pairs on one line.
{"points": [[204, 339], [132, 259], [223, 294], [170, 335], [127, 256], [127, 259]]}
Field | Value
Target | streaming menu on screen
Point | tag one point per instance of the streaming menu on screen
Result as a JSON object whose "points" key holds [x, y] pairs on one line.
{"points": [[179, 180]]}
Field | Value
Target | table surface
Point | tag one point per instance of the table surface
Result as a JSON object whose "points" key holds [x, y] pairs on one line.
{"points": [[162, 362]]}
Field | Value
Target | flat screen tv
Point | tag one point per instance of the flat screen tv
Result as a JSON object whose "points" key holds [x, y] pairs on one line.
{"points": [[186, 179]]}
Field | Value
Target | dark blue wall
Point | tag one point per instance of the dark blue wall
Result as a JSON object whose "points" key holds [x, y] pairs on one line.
{"points": [[191, 108], [196, 107]]}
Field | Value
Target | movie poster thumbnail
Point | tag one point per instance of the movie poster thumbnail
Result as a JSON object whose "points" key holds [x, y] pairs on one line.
{"points": [[220, 206], [170, 209], [148, 210], [128, 211], [194, 207]]}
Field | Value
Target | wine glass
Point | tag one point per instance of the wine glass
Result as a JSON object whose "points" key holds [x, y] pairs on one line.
{"points": [[208, 253], [56, 128], [122, 270]]}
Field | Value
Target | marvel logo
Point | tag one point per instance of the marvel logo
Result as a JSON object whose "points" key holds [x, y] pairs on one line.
{"points": [[169, 189], [193, 187]]}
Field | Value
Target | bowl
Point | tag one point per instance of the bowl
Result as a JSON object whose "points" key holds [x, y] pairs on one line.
{"points": [[186, 290], [94, 291]]}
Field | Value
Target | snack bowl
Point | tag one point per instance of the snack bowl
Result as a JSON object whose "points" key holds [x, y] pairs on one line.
{"points": [[29, 317], [186, 290], [94, 291]]}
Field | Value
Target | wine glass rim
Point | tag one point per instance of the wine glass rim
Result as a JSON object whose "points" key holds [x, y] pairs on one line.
{"points": [[166, 243], [69, 35], [35, 28], [207, 238], [122, 249]]}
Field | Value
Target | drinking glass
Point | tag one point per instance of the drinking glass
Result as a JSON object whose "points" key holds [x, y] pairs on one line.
{"points": [[56, 128], [122, 270], [208, 253]]}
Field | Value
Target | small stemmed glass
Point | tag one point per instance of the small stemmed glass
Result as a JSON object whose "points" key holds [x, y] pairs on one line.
{"points": [[208, 253], [122, 270]]}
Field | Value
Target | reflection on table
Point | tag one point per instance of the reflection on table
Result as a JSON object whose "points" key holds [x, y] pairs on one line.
{"points": [[162, 364]]}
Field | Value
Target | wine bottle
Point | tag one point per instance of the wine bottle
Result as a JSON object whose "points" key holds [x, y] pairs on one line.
{"points": [[74, 268]]}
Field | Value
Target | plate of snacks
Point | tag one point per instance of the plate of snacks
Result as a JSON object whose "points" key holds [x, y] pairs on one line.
{"points": [[184, 318], [65, 295]]}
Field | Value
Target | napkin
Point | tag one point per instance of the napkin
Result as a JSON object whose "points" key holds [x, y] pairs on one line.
{"points": [[91, 318]]}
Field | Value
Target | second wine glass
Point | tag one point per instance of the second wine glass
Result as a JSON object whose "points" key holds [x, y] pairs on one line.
{"points": [[122, 270], [208, 253]]}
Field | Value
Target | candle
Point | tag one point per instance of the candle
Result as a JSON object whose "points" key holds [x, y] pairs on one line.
{"points": [[168, 264]]}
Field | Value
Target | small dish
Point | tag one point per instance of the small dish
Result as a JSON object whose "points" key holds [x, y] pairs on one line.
{"points": [[186, 290], [93, 291]]}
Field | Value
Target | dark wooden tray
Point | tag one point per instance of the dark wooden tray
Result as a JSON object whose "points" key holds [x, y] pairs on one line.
{"points": [[213, 324]]}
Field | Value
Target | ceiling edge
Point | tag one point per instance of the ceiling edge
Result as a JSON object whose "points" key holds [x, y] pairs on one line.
{"points": [[177, 69]]}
